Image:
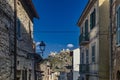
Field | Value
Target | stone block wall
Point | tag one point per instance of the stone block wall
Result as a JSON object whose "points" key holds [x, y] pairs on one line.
{"points": [[24, 46]]}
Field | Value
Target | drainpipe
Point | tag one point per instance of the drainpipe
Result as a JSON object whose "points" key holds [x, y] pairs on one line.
{"points": [[111, 39], [33, 62], [15, 41]]}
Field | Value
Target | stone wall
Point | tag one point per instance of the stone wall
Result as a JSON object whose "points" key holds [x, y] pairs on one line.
{"points": [[24, 46], [6, 23], [115, 48]]}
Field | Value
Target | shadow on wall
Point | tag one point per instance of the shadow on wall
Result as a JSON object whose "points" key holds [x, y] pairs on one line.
{"points": [[24, 41]]}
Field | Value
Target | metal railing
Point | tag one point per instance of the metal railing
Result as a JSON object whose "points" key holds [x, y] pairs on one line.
{"points": [[84, 38], [84, 68]]}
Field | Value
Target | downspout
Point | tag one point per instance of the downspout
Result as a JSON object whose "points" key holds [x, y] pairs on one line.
{"points": [[15, 41], [33, 62], [110, 40]]}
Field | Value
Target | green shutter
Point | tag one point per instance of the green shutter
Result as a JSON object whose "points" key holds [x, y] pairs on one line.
{"points": [[118, 27], [94, 18], [87, 56], [82, 58], [18, 29], [86, 27], [91, 21], [93, 53], [119, 36]]}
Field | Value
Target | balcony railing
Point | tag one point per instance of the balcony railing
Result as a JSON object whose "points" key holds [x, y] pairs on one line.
{"points": [[84, 68], [84, 39]]}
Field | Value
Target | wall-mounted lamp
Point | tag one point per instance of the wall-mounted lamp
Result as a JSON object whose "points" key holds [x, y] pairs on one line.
{"points": [[42, 47]]}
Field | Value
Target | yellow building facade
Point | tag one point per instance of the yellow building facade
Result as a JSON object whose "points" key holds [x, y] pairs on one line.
{"points": [[94, 41]]}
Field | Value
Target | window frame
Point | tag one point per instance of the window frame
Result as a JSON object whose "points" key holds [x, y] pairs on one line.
{"points": [[82, 58], [87, 56], [118, 26], [93, 59], [18, 30], [93, 19], [86, 26]]}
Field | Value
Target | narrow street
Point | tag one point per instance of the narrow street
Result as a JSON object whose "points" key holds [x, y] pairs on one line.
{"points": [[59, 39]]}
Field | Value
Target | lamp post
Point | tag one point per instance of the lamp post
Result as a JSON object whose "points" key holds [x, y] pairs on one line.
{"points": [[42, 47]]}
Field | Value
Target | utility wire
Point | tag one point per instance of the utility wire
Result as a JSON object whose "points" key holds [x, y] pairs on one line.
{"points": [[55, 31]]}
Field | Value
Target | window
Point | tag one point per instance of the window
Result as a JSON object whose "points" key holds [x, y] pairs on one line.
{"points": [[118, 26], [82, 58], [18, 29], [87, 57], [111, 1], [93, 54], [82, 78], [86, 26], [118, 75], [93, 19], [82, 30], [25, 74]]}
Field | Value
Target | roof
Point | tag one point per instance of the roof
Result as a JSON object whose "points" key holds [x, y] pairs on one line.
{"points": [[31, 7], [85, 11]]}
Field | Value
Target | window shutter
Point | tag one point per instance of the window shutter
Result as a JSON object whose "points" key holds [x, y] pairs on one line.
{"points": [[94, 17], [91, 21], [18, 29], [86, 27], [87, 56], [82, 29], [93, 53], [119, 17], [119, 36], [82, 58], [118, 26]]}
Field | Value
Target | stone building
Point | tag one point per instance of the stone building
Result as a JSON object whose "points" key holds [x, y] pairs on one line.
{"points": [[62, 76], [25, 14], [94, 41], [37, 71], [115, 39], [45, 67], [47, 72]]}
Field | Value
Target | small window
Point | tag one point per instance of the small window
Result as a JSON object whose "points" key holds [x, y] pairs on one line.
{"points": [[111, 1], [87, 57], [93, 54], [93, 19], [18, 62], [82, 58], [19, 35], [118, 75], [86, 27], [118, 26], [82, 30]]}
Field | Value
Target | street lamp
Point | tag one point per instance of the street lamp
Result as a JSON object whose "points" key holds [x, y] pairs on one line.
{"points": [[42, 47]]}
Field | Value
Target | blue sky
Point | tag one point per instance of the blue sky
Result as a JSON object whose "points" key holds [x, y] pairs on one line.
{"points": [[57, 25]]}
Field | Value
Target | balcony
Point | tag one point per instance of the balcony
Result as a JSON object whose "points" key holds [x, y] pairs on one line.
{"points": [[93, 68], [84, 38], [84, 68]]}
